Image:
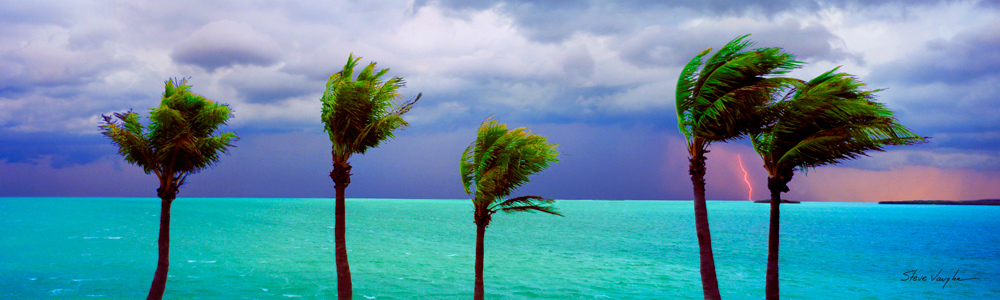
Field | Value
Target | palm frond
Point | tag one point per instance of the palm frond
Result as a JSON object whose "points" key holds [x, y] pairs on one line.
{"points": [[499, 161], [127, 133], [723, 100], [532, 208], [466, 168], [526, 203], [833, 145], [183, 128], [182, 133], [684, 93], [359, 112], [827, 120]]}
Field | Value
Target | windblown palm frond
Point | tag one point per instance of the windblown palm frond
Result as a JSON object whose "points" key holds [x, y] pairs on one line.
{"points": [[825, 121], [182, 136], [361, 112], [499, 161], [720, 100], [127, 133], [526, 203]]}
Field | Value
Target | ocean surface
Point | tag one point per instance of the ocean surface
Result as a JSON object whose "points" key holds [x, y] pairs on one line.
{"points": [[105, 248]]}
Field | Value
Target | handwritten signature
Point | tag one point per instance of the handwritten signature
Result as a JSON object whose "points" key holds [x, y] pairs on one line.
{"points": [[911, 275]]}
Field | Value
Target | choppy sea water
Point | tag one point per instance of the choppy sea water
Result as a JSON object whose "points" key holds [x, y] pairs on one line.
{"points": [[105, 248]]}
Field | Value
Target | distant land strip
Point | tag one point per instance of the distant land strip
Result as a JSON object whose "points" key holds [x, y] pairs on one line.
{"points": [[782, 201], [946, 202]]}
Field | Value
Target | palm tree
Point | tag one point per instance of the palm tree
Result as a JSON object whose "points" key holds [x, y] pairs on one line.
{"points": [[717, 102], [358, 114], [492, 167], [825, 121], [181, 141]]}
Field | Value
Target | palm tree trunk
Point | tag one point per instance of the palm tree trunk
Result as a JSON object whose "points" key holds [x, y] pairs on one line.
{"points": [[709, 281], [163, 245], [480, 236], [341, 176], [771, 285]]}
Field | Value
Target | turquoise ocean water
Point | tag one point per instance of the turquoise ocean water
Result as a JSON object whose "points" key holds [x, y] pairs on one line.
{"points": [[105, 248]]}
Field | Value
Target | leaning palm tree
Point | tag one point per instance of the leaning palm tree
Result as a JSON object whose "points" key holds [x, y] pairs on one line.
{"points": [[358, 114], [825, 121], [717, 102], [492, 167], [181, 141]]}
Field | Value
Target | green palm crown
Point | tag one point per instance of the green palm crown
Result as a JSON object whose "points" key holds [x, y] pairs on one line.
{"points": [[498, 162], [362, 111], [719, 100], [183, 133], [826, 120]]}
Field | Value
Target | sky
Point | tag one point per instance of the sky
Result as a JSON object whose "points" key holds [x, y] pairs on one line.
{"points": [[595, 77]]}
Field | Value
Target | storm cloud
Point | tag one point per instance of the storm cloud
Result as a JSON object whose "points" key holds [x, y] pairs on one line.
{"points": [[597, 77], [226, 43]]}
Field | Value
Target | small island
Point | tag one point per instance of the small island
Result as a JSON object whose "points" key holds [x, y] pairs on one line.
{"points": [[946, 202], [782, 201]]}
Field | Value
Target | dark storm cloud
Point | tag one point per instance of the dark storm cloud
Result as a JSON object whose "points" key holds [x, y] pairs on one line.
{"points": [[948, 89], [968, 56], [596, 162], [771, 7], [662, 46], [256, 85], [57, 150], [226, 43], [714, 6], [54, 59], [552, 21]]}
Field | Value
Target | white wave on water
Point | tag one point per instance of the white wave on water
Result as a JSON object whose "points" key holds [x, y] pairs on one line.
{"points": [[114, 237], [89, 237], [96, 295], [369, 297], [32, 279], [292, 296], [263, 289], [59, 291]]}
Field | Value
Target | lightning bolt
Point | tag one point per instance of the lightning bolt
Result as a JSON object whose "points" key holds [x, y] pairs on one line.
{"points": [[746, 178]]}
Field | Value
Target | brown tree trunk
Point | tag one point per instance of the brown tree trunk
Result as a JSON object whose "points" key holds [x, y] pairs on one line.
{"points": [[341, 176], [709, 281], [167, 196], [771, 284], [480, 236]]}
